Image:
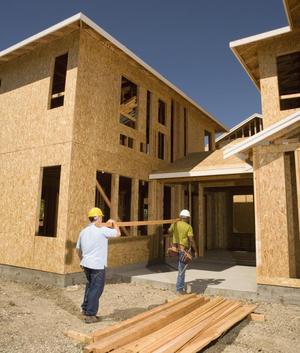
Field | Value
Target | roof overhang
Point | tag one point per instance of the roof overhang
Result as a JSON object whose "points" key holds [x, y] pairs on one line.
{"points": [[203, 173], [75, 22], [245, 50], [263, 137]]}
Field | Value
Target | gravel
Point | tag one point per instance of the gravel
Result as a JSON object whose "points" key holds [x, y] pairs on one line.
{"points": [[33, 318]]}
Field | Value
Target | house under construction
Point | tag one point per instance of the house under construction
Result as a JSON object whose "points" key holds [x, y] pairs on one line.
{"points": [[86, 122]]}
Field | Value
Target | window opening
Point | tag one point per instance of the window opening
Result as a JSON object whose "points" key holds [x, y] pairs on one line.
{"points": [[49, 201], [124, 206], [161, 112], [104, 179], [161, 145], [143, 206], [59, 81], [288, 70], [128, 103]]}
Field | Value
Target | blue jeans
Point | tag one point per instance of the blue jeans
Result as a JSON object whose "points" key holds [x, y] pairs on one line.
{"points": [[93, 290], [181, 273]]}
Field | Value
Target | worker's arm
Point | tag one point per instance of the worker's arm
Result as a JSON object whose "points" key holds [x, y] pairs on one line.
{"points": [[115, 226], [193, 245], [79, 253]]}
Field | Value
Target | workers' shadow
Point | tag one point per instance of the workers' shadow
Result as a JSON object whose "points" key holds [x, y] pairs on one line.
{"points": [[200, 285]]}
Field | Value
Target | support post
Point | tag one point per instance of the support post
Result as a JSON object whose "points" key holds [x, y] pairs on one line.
{"points": [[201, 217]]}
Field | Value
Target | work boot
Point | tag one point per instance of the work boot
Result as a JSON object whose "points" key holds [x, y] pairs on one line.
{"points": [[92, 319]]}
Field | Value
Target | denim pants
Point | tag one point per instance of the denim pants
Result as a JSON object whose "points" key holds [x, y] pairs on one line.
{"points": [[93, 290], [181, 273]]}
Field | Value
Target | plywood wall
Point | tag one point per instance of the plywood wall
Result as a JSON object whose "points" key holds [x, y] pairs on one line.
{"points": [[33, 137], [267, 54], [97, 129], [274, 258], [82, 137]]}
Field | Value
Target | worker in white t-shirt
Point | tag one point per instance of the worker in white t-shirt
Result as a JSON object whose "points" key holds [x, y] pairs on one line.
{"points": [[92, 248]]}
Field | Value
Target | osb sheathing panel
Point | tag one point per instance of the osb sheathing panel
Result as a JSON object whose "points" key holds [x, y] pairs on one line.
{"points": [[33, 137], [131, 250], [25, 119], [20, 193], [271, 214], [85, 162], [100, 70], [267, 54]]}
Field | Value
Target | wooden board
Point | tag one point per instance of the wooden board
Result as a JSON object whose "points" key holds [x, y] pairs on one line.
{"points": [[186, 324], [144, 327]]}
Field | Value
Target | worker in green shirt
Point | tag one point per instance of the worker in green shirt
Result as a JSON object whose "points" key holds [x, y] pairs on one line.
{"points": [[183, 240]]}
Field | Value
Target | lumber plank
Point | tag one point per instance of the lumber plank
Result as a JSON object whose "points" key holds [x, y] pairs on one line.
{"points": [[154, 340], [185, 336], [256, 317], [141, 223], [78, 336], [144, 327], [99, 334], [215, 331]]}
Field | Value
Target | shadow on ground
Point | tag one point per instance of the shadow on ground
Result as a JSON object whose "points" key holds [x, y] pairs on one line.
{"points": [[200, 285]]}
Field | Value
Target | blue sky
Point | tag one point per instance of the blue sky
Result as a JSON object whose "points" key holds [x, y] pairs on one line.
{"points": [[187, 41]]}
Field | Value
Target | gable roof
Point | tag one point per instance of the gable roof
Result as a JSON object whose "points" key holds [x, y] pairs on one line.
{"points": [[263, 136], [73, 23]]}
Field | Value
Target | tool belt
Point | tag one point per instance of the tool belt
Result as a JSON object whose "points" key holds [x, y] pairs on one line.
{"points": [[185, 254]]}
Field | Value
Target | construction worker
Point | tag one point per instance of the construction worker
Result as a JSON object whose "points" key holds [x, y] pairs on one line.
{"points": [[92, 246], [183, 240]]}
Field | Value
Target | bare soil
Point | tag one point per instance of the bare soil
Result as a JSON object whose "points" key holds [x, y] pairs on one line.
{"points": [[34, 317]]}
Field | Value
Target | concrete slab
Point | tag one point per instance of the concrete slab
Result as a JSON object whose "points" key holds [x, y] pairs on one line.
{"points": [[201, 277]]}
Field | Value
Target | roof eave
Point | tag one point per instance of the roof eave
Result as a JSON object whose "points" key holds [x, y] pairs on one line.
{"points": [[261, 136]]}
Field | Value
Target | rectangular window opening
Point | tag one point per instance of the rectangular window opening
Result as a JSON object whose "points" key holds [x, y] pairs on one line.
{"points": [[161, 112], [185, 129], [124, 206], [207, 141], [126, 141], [59, 81], [49, 201], [148, 119], [161, 146], [128, 103], [143, 206], [288, 71], [104, 179]]}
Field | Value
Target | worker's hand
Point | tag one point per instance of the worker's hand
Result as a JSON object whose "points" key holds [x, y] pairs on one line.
{"points": [[111, 221]]}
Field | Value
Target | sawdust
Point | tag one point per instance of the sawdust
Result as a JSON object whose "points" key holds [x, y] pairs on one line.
{"points": [[34, 317]]}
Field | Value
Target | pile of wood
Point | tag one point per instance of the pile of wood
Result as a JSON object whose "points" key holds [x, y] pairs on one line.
{"points": [[186, 324]]}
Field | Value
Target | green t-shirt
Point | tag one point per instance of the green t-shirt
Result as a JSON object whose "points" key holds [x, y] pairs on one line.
{"points": [[181, 231]]}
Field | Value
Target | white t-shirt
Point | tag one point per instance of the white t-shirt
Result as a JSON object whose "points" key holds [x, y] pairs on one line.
{"points": [[93, 243]]}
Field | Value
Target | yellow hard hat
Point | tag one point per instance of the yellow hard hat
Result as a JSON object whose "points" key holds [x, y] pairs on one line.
{"points": [[95, 212]]}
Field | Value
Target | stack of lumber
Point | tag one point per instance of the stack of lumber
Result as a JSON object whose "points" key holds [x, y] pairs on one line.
{"points": [[186, 324]]}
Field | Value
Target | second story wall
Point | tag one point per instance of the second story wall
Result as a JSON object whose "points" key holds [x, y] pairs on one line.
{"points": [[103, 71], [25, 94], [279, 76]]}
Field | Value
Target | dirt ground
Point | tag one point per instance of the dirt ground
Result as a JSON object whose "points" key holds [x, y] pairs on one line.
{"points": [[34, 317]]}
